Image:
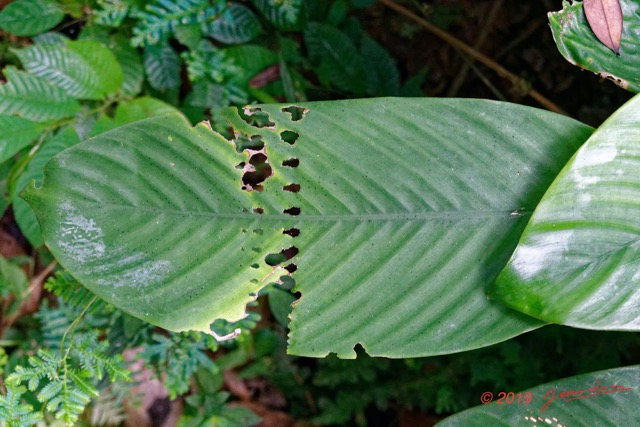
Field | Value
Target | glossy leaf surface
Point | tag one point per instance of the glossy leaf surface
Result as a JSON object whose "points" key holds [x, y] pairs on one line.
{"points": [[598, 399], [578, 261], [392, 215], [577, 43]]}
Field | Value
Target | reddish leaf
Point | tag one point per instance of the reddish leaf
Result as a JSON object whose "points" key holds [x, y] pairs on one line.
{"points": [[605, 20]]}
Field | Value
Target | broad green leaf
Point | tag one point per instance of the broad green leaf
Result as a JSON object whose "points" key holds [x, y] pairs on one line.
{"points": [[236, 25], [30, 17], [577, 43], [33, 98], [598, 399], [24, 216], [578, 261], [15, 134], [162, 66], [408, 209], [83, 69]]}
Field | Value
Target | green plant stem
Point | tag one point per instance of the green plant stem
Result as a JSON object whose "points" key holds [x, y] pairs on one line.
{"points": [[516, 81], [73, 325]]}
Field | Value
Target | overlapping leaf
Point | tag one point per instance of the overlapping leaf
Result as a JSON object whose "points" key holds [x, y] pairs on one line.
{"points": [[578, 261], [395, 214], [605, 398], [577, 43], [33, 98], [83, 69], [15, 134]]}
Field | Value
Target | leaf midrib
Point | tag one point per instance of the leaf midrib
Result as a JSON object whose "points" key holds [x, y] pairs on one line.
{"points": [[399, 216]]}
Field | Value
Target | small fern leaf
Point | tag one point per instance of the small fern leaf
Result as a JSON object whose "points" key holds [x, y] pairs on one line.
{"points": [[13, 412], [284, 14], [237, 25], [49, 391], [33, 98], [106, 410], [112, 12]]}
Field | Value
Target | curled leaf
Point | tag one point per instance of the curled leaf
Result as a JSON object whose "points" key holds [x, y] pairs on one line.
{"points": [[605, 20]]}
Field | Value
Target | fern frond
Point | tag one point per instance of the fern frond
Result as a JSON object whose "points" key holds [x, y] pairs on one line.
{"points": [[94, 358], [43, 365], [107, 409], [13, 412], [161, 17]]}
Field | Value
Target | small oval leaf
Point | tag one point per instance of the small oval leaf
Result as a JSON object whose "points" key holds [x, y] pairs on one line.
{"points": [[605, 20]]}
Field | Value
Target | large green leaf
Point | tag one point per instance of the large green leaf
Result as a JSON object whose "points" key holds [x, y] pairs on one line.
{"points": [[598, 399], [408, 209], [30, 17], [15, 134], [83, 69], [33, 98], [577, 43], [578, 261]]}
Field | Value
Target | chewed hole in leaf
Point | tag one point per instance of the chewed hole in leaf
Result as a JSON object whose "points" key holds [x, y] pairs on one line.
{"points": [[259, 211], [290, 137], [282, 256], [291, 163], [256, 172], [255, 117], [297, 113], [291, 268], [240, 165], [245, 142], [292, 211], [293, 232], [293, 188]]}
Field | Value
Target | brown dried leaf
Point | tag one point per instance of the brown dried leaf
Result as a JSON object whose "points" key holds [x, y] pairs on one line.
{"points": [[605, 20]]}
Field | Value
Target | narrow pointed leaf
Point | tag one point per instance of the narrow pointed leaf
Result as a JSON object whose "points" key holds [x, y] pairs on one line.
{"points": [[578, 261], [605, 20], [598, 399], [395, 214], [578, 44]]}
